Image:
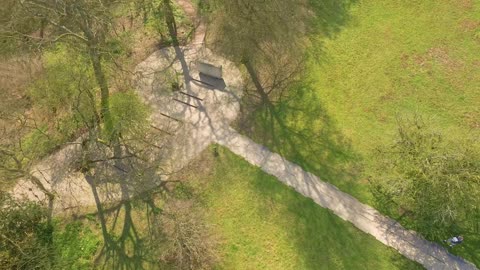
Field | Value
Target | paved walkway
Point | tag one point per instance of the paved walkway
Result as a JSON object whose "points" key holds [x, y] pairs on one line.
{"points": [[364, 217], [199, 25]]}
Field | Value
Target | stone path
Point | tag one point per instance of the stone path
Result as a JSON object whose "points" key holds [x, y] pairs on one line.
{"points": [[364, 217], [199, 25]]}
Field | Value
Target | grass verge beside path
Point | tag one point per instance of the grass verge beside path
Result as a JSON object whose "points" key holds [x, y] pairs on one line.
{"points": [[263, 224]]}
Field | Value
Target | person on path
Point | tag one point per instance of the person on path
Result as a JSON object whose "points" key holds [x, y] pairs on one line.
{"points": [[454, 240]]}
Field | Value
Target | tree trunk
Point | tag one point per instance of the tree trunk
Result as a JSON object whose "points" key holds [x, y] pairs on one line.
{"points": [[170, 20], [48, 193], [105, 94], [256, 81], [43, 24]]}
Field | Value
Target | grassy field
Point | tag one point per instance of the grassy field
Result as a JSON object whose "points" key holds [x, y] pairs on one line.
{"points": [[262, 224], [385, 60], [406, 57]]}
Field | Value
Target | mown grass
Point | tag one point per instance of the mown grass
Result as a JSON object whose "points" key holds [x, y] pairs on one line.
{"points": [[386, 59], [263, 224], [402, 58]]}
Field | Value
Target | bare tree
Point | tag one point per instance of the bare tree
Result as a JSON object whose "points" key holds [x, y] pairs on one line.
{"points": [[189, 243], [260, 35], [15, 160]]}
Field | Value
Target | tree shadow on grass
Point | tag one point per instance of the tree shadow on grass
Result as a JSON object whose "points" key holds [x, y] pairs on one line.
{"points": [[127, 213], [330, 16], [131, 239], [299, 128], [301, 131], [125, 245]]}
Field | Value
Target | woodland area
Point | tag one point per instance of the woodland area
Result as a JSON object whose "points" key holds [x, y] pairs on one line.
{"points": [[68, 80]]}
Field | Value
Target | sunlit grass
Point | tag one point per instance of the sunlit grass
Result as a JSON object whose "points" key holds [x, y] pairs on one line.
{"points": [[263, 224]]}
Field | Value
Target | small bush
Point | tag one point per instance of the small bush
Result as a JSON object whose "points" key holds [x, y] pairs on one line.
{"points": [[129, 113], [28, 240], [25, 235], [75, 247], [189, 244]]}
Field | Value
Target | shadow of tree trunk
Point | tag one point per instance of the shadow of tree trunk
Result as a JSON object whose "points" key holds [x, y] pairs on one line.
{"points": [[124, 246], [172, 29]]}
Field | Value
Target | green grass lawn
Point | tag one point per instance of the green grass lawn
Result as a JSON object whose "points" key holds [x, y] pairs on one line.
{"points": [[402, 57], [263, 224], [384, 59]]}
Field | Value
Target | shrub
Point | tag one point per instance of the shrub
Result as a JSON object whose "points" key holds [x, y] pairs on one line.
{"points": [[189, 244], [435, 183]]}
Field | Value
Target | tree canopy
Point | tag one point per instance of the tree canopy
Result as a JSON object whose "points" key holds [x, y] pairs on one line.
{"points": [[268, 37]]}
